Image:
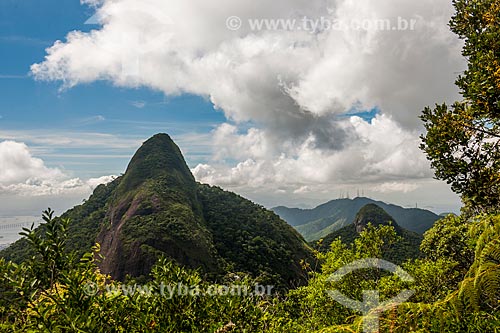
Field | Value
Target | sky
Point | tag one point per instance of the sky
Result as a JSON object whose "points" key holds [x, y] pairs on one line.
{"points": [[286, 103]]}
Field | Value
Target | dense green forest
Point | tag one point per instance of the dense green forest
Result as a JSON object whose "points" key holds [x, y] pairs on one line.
{"points": [[454, 284]]}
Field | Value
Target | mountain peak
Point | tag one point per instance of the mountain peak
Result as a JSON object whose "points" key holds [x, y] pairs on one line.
{"points": [[159, 139], [157, 209], [372, 213], [407, 247], [158, 156]]}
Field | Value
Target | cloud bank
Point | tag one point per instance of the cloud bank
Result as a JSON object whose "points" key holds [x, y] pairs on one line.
{"points": [[290, 96], [28, 176]]}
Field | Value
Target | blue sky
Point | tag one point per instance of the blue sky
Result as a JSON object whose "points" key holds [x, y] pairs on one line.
{"points": [[41, 107], [299, 117]]}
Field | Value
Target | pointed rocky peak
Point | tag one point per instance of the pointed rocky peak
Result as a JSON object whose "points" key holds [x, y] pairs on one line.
{"points": [[373, 214], [157, 157]]}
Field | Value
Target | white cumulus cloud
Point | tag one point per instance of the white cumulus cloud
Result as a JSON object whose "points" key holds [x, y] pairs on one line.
{"points": [[18, 165], [288, 95], [381, 151], [24, 175]]}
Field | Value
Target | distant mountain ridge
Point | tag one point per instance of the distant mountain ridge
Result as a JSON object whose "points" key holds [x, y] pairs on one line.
{"points": [[408, 247], [158, 209], [324, 219]]}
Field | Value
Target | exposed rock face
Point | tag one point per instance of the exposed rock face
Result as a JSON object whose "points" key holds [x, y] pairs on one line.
{"points": [[156, 194]]}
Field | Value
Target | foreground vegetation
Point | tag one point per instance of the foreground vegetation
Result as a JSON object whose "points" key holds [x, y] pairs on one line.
{"points": [[456, 289]]}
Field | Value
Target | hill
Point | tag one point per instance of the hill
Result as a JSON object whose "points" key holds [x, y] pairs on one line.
{"points": [[157, 209], [407, 247], [318, 222]]}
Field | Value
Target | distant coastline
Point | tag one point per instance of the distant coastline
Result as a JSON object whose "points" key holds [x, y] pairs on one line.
{"points": [[11, 226]]}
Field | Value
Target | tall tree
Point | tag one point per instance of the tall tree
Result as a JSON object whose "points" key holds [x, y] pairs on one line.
{"points": [[462, 140]]}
